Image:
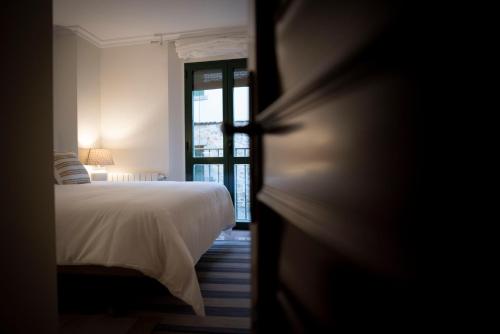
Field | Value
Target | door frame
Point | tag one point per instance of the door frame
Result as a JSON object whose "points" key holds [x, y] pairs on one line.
{"points": [[227, 67]]}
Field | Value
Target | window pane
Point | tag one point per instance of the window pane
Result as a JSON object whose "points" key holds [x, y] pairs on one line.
{"points": [[241, 112], [242, 191], [207, 114], [208, 173]]}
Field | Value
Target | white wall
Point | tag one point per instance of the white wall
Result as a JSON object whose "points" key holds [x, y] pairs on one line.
{"points": [[88, 94], [134, 107], [129, 99], [65, 90], [77, 92], [176, 115]]}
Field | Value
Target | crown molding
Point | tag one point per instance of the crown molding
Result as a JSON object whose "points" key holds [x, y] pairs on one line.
{"points": [[146, 39], [83, 33]]}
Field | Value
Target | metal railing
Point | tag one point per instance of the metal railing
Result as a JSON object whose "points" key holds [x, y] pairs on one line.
{"points": [[219, 152], [241, 152], [242, 193], [208, 152], [205, 173]]}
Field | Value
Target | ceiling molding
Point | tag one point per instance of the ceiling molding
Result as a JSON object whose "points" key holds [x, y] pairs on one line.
{"points": [[85, 34], [221, 34]]}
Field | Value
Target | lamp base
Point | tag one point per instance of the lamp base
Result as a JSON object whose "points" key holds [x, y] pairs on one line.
{"points": [[101, 176]]}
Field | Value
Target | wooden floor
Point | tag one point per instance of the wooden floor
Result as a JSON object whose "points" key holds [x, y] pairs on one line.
{"points": [[107, 321]]}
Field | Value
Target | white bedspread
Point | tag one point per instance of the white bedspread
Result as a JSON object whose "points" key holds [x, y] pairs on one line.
{"points": [[158, 228]]}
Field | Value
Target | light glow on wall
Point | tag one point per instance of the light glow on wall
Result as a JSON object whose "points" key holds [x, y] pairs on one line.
{"points": [[87, 138], [123, 125]]}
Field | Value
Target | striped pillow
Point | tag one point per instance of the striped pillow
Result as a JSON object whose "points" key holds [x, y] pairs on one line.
{"points": [[68, 169]]}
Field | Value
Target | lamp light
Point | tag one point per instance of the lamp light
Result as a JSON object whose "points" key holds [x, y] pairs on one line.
{"points": [[99, 157]]}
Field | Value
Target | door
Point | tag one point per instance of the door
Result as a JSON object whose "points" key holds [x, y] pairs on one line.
{"points": [[28, 282], [218, 93], [334, 200]]}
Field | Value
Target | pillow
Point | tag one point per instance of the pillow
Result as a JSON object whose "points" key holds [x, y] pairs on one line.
{"points": [[69, 170]]}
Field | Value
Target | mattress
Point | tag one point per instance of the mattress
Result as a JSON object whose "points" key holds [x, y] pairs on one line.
{"points": [[158, 228]]}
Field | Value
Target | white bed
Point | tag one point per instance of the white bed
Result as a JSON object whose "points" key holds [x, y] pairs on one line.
{"points": [[158, 228]]}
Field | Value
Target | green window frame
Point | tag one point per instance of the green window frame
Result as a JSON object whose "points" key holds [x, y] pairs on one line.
{"points": [[227, 67]]}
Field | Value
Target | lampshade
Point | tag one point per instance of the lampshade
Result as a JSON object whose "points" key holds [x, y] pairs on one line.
{"points": [[100, 156]]}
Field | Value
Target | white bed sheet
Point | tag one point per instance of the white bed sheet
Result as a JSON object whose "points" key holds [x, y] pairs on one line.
{"points": [[158, 228]]}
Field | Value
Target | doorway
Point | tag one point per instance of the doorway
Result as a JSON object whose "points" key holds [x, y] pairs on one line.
{"points": [[218, 92]]}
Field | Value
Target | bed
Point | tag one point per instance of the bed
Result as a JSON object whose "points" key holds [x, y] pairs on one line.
{"points": [[160, 229]]}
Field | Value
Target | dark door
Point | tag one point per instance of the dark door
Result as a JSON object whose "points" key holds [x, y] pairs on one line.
{"points": [[335, 143]]}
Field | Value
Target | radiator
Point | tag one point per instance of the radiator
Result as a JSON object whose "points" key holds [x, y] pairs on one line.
{"points": [[133, 177]]}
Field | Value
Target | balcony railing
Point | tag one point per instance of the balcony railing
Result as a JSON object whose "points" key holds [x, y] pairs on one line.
{"points": [[208, 152], [219, 152], [242, 191], [214, 172], [241, 152], [209, 173]]}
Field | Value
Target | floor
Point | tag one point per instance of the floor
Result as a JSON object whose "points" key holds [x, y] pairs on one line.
{"points": [[153, 320], [235, 235]]}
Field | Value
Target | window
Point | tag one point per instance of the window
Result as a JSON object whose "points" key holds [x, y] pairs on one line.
{"points": [[218, 92]]}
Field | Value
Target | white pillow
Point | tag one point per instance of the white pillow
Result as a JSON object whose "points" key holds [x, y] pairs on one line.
{"points": [[68, 169]]}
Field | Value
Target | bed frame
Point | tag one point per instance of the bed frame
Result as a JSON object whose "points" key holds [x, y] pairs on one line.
{"points": [[96, 289], [95, 270]]}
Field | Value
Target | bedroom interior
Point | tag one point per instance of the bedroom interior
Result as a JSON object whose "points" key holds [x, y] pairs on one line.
{"points": [[222, 166], [121, 86]]}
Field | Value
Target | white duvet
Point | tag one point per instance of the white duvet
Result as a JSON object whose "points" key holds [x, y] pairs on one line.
{"points": [[158, 228]]}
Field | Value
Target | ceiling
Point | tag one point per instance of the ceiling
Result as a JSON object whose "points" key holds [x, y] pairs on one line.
{"points": [[109, 20]]}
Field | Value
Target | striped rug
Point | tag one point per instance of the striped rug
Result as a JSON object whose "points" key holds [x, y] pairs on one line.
{"points": [[224, 276]]}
